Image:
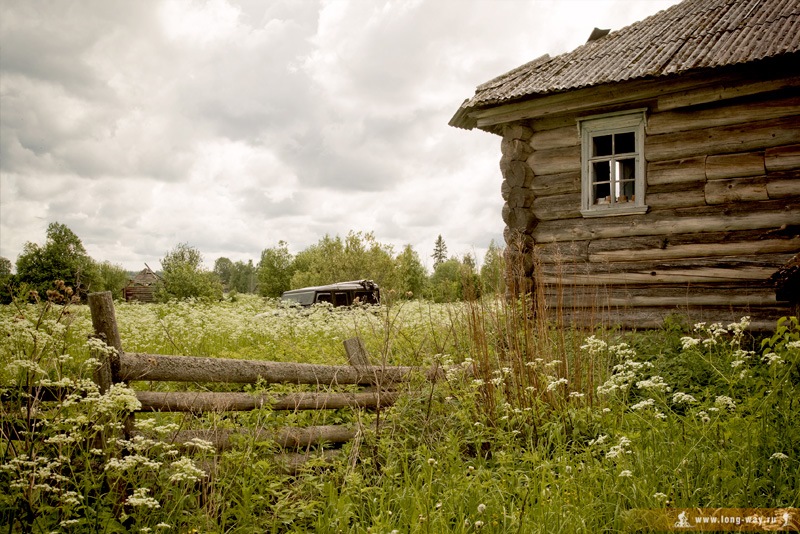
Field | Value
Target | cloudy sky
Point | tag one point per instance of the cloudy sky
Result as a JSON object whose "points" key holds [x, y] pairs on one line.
{"points": [[233, 124]]}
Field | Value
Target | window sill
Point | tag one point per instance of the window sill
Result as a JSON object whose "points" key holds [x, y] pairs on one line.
{"points": [[614, 212]]}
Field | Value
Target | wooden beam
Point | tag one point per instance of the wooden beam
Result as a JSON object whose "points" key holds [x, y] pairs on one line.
{"points": [[701, 250], [135, 366], [744, 216], [189, 401]]}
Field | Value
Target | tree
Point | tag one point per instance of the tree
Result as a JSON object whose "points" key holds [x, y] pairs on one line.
{"points": [[411, 274], [439, 252], [243, 277], [444, 284], [275, 270], [493, 270], [111, 277], [62, 257], [183, 276], [224, 267], [359, 256]]}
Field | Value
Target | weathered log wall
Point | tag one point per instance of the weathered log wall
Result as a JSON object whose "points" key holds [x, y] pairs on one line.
{"points": [[722, 187]]}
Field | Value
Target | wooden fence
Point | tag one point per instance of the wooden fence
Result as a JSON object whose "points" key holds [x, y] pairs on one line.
{"points": [[376, 388]]}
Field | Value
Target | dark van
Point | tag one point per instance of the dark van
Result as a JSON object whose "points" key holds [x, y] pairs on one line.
{"points": [[341, 294]]}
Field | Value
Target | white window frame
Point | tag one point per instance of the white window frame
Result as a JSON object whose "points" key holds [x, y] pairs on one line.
{"points": [[609, 124]]}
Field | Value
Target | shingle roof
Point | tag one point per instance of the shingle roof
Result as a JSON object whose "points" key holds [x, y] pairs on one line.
{"points": [[694, 34]]}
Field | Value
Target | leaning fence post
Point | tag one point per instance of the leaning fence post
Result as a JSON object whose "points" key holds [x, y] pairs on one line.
{"points": [[105, 326], [356, 352]]}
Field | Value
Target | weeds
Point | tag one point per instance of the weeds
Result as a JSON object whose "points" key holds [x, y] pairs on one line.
{"points": [[535, 429]]}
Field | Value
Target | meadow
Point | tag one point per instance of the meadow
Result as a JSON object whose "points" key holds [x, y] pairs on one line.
{"points": [[536, 427]]}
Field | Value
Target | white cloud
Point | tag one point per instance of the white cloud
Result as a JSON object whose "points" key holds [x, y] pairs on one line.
{"points": [[231, 125]]}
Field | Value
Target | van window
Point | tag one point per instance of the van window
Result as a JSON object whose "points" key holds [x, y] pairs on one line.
{"points": [[323, 297], [341, 299]]}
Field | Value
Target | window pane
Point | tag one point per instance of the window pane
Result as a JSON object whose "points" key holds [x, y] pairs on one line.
{"points": [[601, 171], [601, 145], [626, 169], [625, 143], [602, 193]]}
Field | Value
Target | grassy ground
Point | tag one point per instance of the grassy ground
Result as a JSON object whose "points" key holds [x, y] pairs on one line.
{"points": [[536, 429]]}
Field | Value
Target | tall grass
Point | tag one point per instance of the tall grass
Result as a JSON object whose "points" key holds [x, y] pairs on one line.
{"points": [[536, 428]]}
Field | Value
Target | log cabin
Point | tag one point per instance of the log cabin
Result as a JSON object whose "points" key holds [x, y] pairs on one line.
{"points": [[654, 171]]}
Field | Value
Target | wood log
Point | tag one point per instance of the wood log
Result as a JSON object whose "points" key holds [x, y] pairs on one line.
{"points": [[104, 322], [571, 251], [655, 317], [784, 158], [786, 188], [736, 190], [684, 170], [735, 165], [673, 276], [223, 439], [197, 402], [557, 207], [664, 241], [771, 214], [556, 184], [517, 130], [519, 219], [667, 251], [518, 174], [769, 106], [678, 199], [516, 149], [751, 136], [556, 160], [634, 264], [566, 136], [520, 197], [356, 351], [135, 366], [718, 299]]}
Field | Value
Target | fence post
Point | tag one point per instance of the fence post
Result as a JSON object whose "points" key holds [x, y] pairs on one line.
{"points": [[104, 322], [356, 352]]}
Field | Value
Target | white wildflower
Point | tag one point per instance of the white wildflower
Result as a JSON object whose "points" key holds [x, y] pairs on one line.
{"points": [[771, 358], [140, 498], [625, 473], [185, 470], [682, 398], [689, 342], [723, 401], [643, 405], [655, 383], [778, 456], [481, 508], [555, 383]]}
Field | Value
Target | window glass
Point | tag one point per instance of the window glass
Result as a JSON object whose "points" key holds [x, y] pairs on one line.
{"points": [[602, 145], [323, 297], [625, 143]]}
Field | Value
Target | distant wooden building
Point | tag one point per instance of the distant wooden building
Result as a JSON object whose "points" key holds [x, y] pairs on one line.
{"points": [[656, 169], [142, 286]]}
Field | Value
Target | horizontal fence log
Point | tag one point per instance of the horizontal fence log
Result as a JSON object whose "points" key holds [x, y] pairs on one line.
{"points": [[186, 401], [286, 437], [158, 367]]}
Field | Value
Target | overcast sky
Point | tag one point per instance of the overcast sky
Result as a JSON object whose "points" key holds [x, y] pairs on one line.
{"points": [[233, 124]]}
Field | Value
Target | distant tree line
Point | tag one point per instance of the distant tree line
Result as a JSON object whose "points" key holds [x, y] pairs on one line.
{"points": [[359, 255]]}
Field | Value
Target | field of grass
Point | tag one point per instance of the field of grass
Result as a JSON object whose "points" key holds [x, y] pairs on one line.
{"points": [[535, 429]]}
